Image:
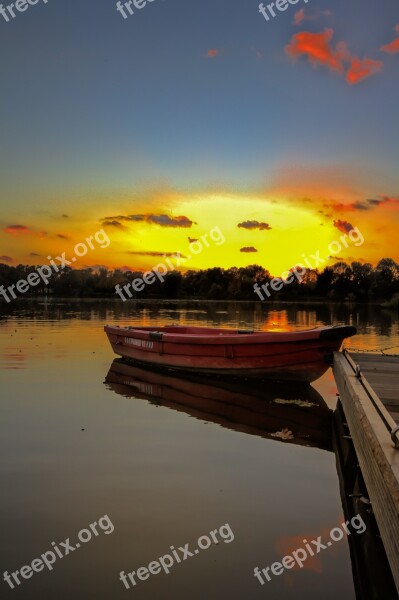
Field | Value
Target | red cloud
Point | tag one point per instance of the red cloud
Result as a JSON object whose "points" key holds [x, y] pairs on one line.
{"points": [[299, 16], [360, 69], [343, 226], [5, 258], [319, 51], [392, 47], [310, 15], [316, 46], [212, 53], [16, 229]]}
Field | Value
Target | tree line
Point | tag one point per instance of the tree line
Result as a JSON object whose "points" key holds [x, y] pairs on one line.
{"points": [[340, 282]]}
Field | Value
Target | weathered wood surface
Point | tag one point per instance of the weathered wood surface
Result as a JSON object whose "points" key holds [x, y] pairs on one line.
{"points": [[378, 459], [382, 372]]}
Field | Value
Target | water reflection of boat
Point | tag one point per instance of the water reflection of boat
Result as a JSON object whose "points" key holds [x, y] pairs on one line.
{"points": [[297, 414]]}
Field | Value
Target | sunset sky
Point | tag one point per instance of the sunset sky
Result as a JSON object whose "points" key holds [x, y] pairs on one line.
{"points": [[193, 115]]}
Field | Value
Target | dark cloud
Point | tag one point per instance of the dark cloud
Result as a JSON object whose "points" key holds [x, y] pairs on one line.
{"points": [[34, 254], [382, 200], [112, 223], [155, 253], [343, 226], [362, 205], [254, 225], [162, 220], [167, 221], [63, 237], [65, 216], [191, 240], [6, 258], [248, 249]]}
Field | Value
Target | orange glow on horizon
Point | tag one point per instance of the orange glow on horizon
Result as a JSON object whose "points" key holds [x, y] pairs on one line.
{"points": [[271, 229]]}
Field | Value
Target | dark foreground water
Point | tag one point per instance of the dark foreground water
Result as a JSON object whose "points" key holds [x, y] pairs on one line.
{"points": [[167, 461]]}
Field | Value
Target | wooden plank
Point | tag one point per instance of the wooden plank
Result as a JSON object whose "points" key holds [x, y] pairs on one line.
{"points": [[378, 459], [372, 356], [382, 372]]}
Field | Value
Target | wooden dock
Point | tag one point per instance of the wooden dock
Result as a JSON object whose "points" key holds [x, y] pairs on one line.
{"points": [[370, 424], [382, 373]]}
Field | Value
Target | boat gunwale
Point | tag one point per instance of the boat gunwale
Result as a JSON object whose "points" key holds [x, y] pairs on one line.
{"points": [[228, 337]]}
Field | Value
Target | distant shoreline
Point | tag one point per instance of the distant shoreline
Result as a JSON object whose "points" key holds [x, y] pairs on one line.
{"points": [[308, 301]]}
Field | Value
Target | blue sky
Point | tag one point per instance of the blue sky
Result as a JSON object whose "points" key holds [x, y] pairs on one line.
{"points": [[88, 96]]}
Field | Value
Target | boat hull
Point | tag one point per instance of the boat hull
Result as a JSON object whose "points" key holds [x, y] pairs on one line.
{"points": [[287, 356]]}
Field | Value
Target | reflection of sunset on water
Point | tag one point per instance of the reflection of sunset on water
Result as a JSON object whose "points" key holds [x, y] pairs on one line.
{"points": [[287, 545]]}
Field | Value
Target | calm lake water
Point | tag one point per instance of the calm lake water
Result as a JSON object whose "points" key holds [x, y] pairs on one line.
{"points": [[167, 460]]}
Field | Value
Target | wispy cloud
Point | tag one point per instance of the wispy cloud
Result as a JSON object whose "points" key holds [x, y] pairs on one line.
{"points": [[212, 53], [310, 15], [155, 253], [392, 47], [331, 208], [299, 16], [257, 52], [17, 229], [6, 259]]}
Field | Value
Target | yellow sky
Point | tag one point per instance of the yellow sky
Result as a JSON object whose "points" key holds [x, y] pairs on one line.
{"points": [[296, 230]]}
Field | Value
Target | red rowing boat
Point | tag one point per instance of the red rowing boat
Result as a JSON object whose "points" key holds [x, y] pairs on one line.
{"points": [[293, 355]]}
